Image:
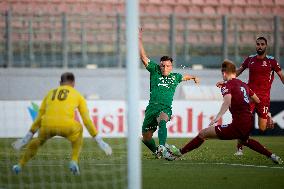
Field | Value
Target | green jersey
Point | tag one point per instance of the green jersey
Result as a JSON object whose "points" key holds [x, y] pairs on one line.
{"points": [[162, 88]]}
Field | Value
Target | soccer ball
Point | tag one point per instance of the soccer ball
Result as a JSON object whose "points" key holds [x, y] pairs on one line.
{"points": [[168, 155], [168, 152]]}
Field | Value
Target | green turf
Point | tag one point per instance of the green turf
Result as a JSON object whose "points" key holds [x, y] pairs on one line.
{"points": [[213, 165], [201, 169]]}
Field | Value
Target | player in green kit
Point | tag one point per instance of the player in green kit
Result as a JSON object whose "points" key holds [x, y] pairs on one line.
{"points": [[163, 84]]}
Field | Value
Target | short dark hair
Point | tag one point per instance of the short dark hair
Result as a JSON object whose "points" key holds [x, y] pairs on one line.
{"points": [[166, 58], [67, 77], [262, 38], [228, 67]]}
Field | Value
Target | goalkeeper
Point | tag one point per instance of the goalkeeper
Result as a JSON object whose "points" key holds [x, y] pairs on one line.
{"points": [[163, 84], [56, 117]]}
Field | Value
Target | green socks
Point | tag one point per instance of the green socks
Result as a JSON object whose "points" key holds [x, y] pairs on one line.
{"points": [[162, 132], [151, 145]]}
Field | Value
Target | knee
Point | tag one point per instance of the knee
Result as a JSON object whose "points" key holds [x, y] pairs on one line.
{"points": [[262, 123], [262, 127], [147, 136], [162, 116]]}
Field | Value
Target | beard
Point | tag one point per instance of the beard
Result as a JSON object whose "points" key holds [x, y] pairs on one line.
{"points": [[261, 51]]}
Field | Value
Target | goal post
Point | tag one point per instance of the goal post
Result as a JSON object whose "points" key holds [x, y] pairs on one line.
{"points": [[133, 145]]}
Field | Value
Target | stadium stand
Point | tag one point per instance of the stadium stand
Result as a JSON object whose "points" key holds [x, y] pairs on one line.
{"points": [[95, 21], [162, 6]]}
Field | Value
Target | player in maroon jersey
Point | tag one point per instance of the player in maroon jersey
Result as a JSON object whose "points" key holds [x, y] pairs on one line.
{"points": [[236, 98], [261, 74]]}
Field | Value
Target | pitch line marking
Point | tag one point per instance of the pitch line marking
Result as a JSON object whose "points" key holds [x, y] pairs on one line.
{"points": [[230, 164], [166, 163]]}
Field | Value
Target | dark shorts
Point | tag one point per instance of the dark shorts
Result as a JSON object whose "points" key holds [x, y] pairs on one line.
{"points": [[152, 113], [261, 109], [234, 131]]}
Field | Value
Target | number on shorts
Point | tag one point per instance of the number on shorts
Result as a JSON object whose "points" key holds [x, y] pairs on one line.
{"points": [[62, 94], [246, 98]]}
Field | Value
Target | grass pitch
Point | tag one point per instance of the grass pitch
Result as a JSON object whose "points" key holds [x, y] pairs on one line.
{"points": [[213, 165]]}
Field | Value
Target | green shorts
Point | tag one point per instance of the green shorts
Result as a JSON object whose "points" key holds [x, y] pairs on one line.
{"points": [[152, 113]]}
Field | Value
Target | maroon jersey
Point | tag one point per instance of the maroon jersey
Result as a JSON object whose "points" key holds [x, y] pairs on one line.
{"points": [[242, 123], [261, 74], [240, 92]]}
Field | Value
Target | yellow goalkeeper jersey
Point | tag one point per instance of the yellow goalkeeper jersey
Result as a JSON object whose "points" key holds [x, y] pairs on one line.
{"points": [[58, 110]]}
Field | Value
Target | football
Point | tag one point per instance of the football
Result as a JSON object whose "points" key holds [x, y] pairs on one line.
{"points": [[169, 154]]}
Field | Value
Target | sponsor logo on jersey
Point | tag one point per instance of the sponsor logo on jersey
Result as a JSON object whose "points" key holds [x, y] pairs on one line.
{"points": [[224, 90], [165, 81], [224, 126], [264, 63], [163, 84]]}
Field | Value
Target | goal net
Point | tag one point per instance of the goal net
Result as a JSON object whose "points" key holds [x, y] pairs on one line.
{"points": [[49, 168], [61, 40]]}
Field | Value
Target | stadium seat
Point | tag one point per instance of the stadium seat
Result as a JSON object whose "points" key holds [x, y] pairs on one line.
{"points": [[74, 25], [225, 2], [193, 39], [151, 9], [253, 2], [212, 2], [205, 17], [223, 10], [194, 25], [4, 6], [209, 10], [148, 38], [183, 2], [179, 39], [195, 9], [266, 27], [208, 26], [246, 39], [239, 2], [217, 39], [169, 2], [206, 38], [163, 26], [18, 7], [180, 26], [267, 2], [180, 9], [52, 1], [279, 11], [237, 10], [165, 9], [62, 7], [161, 39], [279, 2], [152, 1], [251, 10], [18, 24], [198, 2], [250, 27]]}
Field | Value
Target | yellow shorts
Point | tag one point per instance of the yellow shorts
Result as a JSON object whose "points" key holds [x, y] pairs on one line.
{"points": [[72, 132]]}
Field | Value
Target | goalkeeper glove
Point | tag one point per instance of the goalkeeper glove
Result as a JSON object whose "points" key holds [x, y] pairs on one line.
{"points": [[103, 145], [19, 143]]}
